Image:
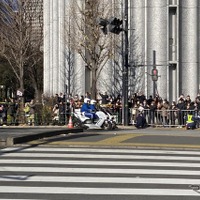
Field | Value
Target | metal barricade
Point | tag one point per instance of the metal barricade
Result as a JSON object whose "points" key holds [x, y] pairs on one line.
{"points": [[157, 118], [163, 118]]}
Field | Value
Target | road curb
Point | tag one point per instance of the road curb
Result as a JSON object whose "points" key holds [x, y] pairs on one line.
{"points": [[11, 140]]}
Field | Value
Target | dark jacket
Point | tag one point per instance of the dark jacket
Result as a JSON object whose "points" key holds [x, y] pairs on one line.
{"points": [[140, 121]]}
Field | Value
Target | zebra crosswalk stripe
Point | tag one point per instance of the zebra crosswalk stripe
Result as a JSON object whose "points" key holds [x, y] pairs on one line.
{"points": [[98, 170], [98, 191], [92, 150], [97, 156], [82, 179], [100, 163]]}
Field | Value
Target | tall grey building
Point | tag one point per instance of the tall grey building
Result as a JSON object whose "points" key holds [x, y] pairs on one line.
{"points": [[168, 27], [171, 28]]}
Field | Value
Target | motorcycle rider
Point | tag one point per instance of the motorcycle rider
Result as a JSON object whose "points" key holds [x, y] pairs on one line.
{"points": [[87, 111], [93, 105], [95, 118]]}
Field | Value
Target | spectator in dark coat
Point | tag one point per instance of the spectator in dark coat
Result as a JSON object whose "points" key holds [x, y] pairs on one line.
{"points": [[140, 121], [105, 98], [180, 108]]}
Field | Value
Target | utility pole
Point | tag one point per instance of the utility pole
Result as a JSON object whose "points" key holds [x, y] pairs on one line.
{"points": [[69, 59], [125, 109]]}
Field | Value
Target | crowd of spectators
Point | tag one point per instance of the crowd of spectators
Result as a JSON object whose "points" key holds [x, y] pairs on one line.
{"points": [[8, 111], [156, 109], [162, 112]]}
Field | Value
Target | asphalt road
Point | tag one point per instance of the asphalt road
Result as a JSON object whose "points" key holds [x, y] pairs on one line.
{"points": [[128, 137], [127, 163], [123, 137]]}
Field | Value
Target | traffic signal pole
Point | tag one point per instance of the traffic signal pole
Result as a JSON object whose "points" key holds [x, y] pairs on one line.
{"points": [[125, 109], [114, 26], [154, 67]]}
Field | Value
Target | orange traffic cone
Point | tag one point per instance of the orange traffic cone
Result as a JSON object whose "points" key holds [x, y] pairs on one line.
{"points": [[70, 124]]}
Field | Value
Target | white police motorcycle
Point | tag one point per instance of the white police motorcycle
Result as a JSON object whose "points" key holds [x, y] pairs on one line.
{"points": [[103, 121]]}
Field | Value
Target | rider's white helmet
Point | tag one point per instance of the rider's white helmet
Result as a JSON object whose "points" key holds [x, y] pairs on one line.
{"points": [[86, 100], [93, 101]]}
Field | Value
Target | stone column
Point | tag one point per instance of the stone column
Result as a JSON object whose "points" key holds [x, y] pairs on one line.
{"points": [[54, 67], [54, 48], [137, 42], [157, 40], [189, 45], [61, 56], [46, 49]]}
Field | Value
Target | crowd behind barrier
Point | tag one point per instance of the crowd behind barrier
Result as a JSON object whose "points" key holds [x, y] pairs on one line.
{"points": [[168, 118], [58, 109]]}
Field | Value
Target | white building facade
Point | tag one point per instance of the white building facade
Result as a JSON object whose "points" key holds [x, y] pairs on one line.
{"points": [[168, 27]]}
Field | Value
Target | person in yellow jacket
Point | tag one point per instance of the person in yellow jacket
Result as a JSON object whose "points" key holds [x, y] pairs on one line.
{"points": [[190, 121]]}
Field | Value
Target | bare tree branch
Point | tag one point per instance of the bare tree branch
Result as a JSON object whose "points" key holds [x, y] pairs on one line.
{"points": [[88, 41], [21, 36]]}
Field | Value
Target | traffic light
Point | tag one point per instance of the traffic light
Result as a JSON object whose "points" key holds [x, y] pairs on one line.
{"points": [[154, 74], [115, 25], [103, 25]]}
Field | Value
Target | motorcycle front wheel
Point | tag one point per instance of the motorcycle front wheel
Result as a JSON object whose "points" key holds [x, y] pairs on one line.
{"points": [[107, 125]]}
